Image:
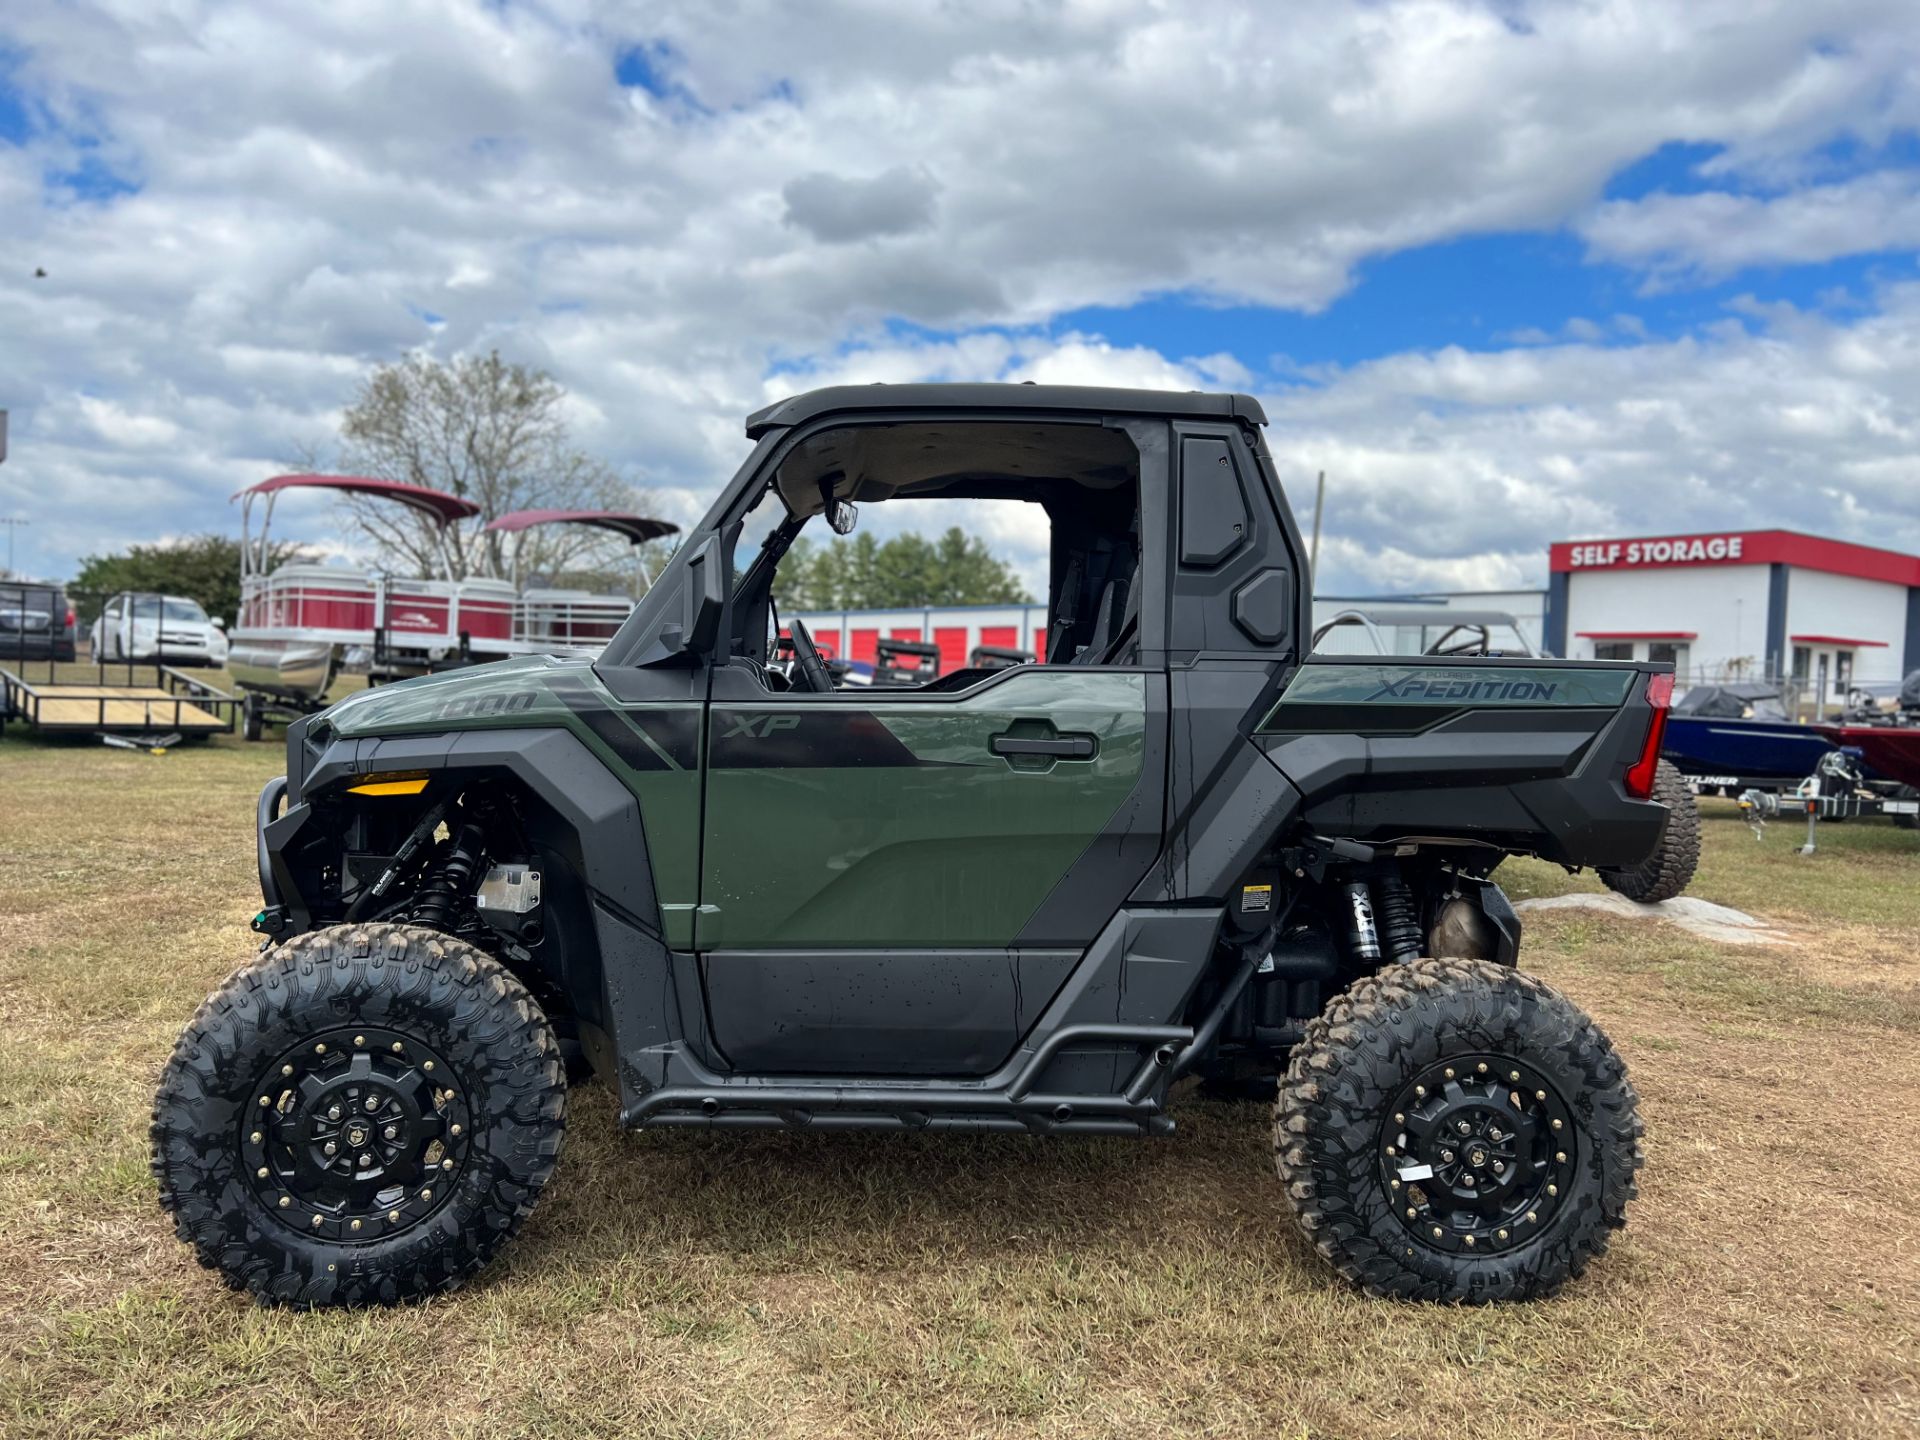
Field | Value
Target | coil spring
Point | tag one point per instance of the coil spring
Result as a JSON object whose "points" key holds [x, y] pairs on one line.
{"points": [[1394, 914], [450, 880]]}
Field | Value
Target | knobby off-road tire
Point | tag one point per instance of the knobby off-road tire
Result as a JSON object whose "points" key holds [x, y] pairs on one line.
{"points": [[1669, 870], [365, 1114], [1405, 1057], [1906, 822]]}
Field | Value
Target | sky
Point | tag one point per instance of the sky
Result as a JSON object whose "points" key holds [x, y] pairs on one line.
{"points": [[1508, 272]]}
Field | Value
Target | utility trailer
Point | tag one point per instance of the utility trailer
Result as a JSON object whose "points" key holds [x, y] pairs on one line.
{"points": [[119, 704]]}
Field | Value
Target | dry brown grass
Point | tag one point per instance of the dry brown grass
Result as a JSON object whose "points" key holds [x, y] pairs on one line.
{"points": [[772, 1285]]}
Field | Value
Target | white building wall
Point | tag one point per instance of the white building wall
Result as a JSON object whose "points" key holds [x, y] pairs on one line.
{"points": [[1725, 605], [1841, 605]]}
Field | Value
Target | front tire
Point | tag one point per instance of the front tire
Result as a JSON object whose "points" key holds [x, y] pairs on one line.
{"points": [[1453, 1130], [1669, 870], [365, 1114]]}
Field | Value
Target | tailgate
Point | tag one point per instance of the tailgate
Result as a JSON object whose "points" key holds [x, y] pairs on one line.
{"points": [[1525, 754]]}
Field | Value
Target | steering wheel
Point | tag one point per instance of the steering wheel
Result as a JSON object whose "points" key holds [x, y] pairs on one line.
{"points": [[806, 660]]}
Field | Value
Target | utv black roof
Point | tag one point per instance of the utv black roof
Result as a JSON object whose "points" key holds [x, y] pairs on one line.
{"points": [[1101, 399]]}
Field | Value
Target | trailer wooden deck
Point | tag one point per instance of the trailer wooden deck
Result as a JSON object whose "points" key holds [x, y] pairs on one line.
{"points": [[113, 703]]}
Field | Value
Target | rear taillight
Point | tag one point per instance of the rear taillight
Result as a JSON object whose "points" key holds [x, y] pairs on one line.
{"points": [[1640, 776], [70, 618]]}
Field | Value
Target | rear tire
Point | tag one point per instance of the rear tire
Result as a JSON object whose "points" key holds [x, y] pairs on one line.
{"points": [[1523, 1199], [252, 723], [1669, 870], [363, 1115]]}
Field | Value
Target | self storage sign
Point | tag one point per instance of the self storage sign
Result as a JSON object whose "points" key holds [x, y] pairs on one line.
{"points": [[1680, 550]]}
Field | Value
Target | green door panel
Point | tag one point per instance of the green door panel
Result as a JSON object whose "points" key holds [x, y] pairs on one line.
{"points": [[651, 749], [864, 821]]}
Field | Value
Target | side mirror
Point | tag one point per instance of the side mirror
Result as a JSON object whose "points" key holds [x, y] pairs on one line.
{"points": [[705, 596], [842, 516], [219, 622]]}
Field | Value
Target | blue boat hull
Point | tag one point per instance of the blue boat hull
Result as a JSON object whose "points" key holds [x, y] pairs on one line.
{"points": [[1758, 753]]}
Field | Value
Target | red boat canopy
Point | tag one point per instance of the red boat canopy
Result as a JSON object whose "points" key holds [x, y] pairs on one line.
{"points": [[636, 528], [441, 506]]}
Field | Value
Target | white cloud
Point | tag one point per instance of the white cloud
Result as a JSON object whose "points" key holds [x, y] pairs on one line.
{"points": [[1712, 234]]}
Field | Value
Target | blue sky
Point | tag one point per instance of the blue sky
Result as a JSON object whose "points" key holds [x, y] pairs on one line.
{"points": [[1509, 272]]}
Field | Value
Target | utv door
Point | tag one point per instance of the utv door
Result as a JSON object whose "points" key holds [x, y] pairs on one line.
{"points": [[897, 883]]}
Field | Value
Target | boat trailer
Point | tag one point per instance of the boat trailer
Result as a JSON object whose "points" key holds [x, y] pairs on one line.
{"points": [[1837, 790]]}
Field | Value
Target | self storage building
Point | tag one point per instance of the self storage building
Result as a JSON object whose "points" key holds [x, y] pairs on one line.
{"points": [[1740, 604]]}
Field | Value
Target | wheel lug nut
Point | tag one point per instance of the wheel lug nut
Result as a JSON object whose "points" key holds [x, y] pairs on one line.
{"points": [[395, 1047], [1394, 1183], [261, 1173], [1389, 1149], [1539, 1094], [333, 1112], [355, 1225], [320, 1049], [258, 1137], [1469, 1180], [285, 1201], [1399, 1119], [446, 1164], [1559, 1157], [454, 1130], [426, 1064], [316, 1222], [390, 1132], [1533, 1217], [359, 1039], [286, 1069], [1449, 1072], [1446, 1157], [1513, 1075], [1469, 1242], [1417, 1090], [373, 1102], [1553, 1189], [365, 1161], [329, 1148], [266, 1100], [1410, 1212], [1503, 1234], [1437, 1232], [1556, 1124], [393, 1217], [426, 1194], [1481, 1069]]}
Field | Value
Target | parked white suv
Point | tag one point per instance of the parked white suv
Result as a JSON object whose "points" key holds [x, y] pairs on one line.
{"points": [[171, 629]]}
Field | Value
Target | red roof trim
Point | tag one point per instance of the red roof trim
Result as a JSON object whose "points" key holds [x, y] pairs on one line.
{"points": [[1748, 547], [443, 507], [1839, 640], [1638, 634]]}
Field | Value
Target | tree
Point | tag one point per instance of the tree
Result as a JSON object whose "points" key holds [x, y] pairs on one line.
{"points": [[201, 567], [496, 434], [905, 571]]}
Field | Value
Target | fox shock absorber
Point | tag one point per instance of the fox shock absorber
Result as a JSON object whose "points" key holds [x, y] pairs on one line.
{"points": [[1362, 937], [451, 880], [1398, 920]]}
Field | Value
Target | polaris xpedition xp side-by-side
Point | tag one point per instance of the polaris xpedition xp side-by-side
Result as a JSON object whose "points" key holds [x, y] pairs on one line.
{"points": [[1028, 898]]}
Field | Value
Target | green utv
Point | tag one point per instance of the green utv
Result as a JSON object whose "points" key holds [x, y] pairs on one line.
{"points": [[1029, 898]]}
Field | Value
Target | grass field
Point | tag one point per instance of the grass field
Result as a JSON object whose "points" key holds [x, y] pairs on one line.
{"points": [[770, 1285]]}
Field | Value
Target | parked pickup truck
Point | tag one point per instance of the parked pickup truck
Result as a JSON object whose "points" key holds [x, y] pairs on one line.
{"points": [[1027, 898]]}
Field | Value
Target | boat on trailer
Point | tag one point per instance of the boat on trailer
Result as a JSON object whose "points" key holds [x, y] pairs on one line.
{"points": [[1738, 737], [302, 624]]}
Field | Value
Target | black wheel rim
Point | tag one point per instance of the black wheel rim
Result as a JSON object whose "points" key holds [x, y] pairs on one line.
{"points": [[355, 1135], [1477, 1154]]}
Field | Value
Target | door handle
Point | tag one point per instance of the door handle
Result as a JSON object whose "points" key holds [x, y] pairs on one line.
{"points": [[1064, 747]]}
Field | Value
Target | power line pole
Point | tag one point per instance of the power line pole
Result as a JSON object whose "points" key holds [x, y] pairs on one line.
{"points": [[1313, 551], [12, 522]]}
